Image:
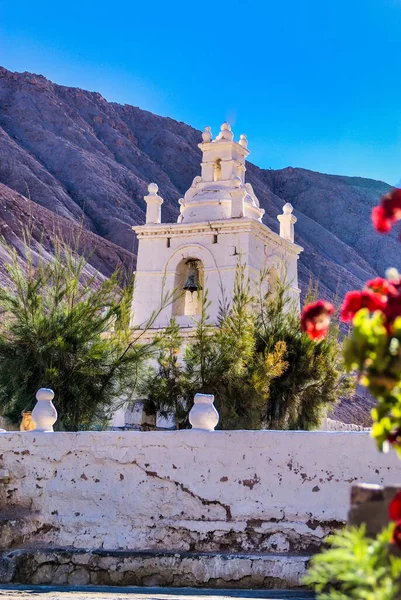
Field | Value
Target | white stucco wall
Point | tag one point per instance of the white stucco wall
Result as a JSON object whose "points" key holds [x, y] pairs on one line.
{"points": [[157, 264], [185, 490]]}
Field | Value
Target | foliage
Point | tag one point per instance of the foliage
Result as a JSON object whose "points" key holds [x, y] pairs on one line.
{"points": [[375, 351], [64, 328], [263, 371], [356, 567], [165, 392], [314, 378], [224, 361]]}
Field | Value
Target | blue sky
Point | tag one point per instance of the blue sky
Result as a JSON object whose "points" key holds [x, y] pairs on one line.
{"points": [[314, 84]]}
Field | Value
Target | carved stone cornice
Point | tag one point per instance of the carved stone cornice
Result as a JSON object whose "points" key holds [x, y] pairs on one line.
{"points": [[240, 225]]}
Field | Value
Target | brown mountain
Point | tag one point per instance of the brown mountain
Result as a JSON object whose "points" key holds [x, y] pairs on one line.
{"points": [[79, 157], [18, 215]]}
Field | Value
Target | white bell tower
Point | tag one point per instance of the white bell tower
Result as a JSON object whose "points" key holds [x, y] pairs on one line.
{"points": [[220, 221]]}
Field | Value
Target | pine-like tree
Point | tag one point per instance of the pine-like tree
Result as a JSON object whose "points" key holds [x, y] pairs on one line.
{"points": [[63, 328], [263, 371], [314, 379], [164, 388]]}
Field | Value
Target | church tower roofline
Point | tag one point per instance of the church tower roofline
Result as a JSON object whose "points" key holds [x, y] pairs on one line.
{"points": [[220, 192], [220, 224]]}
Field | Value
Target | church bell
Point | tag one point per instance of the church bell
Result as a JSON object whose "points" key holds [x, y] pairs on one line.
{"points": [[192, 282]]}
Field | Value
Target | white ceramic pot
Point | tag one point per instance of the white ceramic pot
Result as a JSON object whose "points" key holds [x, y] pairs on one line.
{"points": [[44, 415], [203, 414]]}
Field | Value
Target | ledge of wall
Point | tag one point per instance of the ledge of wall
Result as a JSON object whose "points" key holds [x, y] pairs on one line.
{"points": [[191, 491]]}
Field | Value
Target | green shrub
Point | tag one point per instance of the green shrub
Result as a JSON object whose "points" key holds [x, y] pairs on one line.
{"points": [[355, 567], [65, 328], [263, 371]]}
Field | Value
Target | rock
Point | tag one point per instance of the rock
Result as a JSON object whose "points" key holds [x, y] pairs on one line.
{"points": [[277, 543], [44, 574], [7, 569], [79, 577], [82, 559], [106, 562], [60, 576]]}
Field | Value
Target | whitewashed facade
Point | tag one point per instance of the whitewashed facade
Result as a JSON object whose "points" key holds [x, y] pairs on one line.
{"points": [[220, 222]]}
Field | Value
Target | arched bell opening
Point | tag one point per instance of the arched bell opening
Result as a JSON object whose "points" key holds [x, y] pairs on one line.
{"points": [[189, 286], [217, 170]]}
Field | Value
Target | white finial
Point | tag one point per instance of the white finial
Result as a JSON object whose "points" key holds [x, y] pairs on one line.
{"points": [[153, 204], [207, 134], [225, 132], [153, 188], [243, 141], [203, 415], [237, 182], [44, 414], [287, 221]]}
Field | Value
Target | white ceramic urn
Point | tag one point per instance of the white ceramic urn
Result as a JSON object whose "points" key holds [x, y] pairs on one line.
{"points": [[203, 414], [44, 414]]}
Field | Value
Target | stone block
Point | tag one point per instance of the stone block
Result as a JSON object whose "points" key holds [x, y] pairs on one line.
{"points": [[369, 506], [60, 575], [7, 569], [43, 575], [79, 576]]}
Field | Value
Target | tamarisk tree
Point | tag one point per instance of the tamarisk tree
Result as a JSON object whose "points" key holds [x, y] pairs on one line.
{"points": [[65, 327]]}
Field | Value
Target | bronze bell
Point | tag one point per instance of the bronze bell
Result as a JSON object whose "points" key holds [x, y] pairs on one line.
{"points": [[192, 283]]}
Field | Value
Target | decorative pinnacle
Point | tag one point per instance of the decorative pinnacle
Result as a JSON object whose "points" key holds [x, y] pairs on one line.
{"points": [[153, 188], [287, 221], [207, 134], [243, 141], [237, 182], [287, 208], [225, 132]]}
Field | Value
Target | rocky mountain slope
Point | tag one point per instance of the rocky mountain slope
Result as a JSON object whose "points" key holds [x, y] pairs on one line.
{"points": [[81, 159], [18, 215], [79, 156]]}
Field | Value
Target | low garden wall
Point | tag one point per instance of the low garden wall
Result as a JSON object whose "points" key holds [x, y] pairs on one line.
{"points": [[193, 491]]}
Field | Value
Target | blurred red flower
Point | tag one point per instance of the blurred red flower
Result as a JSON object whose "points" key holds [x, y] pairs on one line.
{"points": [[388, 212], [315, 319], [354, 301], [394, 508], [393, 307], [381, 286]]}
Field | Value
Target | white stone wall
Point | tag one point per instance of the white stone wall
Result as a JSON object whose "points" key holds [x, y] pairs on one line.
{"points": [[238, 491], [257, 246]]}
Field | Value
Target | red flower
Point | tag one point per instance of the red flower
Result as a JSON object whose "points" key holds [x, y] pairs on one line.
{"points": [[381, 222], [394, 508], [396, 538], [388, 212], [354, 301], [315, 319], [393, 307], [381, 286]]}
